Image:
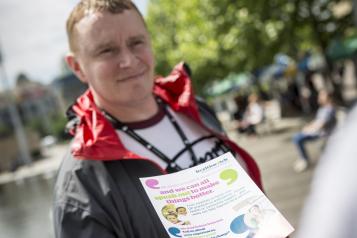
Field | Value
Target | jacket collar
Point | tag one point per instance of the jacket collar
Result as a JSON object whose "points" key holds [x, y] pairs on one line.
{"points": [[96, 139]]}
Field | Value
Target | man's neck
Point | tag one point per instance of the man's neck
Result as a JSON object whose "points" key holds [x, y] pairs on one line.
{"points": [[132, 112]]}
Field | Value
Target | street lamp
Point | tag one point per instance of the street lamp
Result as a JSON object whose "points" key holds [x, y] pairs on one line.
{"points": [[15, 117]]}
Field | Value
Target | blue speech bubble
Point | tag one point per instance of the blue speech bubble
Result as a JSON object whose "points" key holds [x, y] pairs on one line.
{"points": [[175, 231], [238, 225]]}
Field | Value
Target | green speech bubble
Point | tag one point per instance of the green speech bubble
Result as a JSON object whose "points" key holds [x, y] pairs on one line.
{"points": [[229, 175]]}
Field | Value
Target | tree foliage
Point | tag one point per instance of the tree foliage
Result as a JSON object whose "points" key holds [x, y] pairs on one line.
{"points": [[217, 37]]}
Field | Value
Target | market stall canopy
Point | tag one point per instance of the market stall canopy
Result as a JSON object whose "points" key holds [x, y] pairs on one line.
{"points": [[342, 49], [233, 82]]}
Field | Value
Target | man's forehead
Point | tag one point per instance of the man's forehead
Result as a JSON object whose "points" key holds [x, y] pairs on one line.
{"points": [[93, 22], [104, 28], [89, 21]]}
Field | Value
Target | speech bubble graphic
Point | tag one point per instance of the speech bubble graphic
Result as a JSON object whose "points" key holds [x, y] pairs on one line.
{"points": [[152, 183], [229, 175], [238, 225], [175, 231]]}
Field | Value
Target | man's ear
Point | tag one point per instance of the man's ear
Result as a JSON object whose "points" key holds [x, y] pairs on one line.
{"points": [[75, 66]]}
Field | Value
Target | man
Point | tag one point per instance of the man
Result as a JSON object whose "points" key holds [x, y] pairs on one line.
{"points": [[321, 126], [126, 126]]}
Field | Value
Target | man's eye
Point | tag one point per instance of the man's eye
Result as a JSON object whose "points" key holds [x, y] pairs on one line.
{"points": [[107, 51], [137, 43]]}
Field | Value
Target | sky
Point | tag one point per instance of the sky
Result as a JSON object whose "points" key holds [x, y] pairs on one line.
{"points": [[33, 39]]}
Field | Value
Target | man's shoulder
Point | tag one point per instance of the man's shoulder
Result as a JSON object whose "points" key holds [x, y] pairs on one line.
{"points": [[75, 178], [72, 165]]}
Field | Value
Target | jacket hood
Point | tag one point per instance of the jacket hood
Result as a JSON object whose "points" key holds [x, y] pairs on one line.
{"points": [[95, 137]]}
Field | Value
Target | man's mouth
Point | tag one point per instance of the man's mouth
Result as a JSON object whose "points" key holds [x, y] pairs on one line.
{"points": [[131, 77]]}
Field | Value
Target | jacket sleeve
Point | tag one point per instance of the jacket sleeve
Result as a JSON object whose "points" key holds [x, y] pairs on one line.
{"points": [[73, 222], [76, 214]]}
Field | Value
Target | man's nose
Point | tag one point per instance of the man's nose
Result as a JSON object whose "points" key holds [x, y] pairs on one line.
{"points": [[126, 58]]}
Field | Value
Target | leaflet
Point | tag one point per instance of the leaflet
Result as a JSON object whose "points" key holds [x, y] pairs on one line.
{"points": [[214, 199]]}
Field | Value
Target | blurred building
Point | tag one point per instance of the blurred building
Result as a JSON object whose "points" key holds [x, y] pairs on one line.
{"points": [[36, 102], [38, 105], [68, 87]]}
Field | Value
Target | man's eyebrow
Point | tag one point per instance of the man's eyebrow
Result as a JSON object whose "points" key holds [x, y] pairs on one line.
{"points": [[137, 37], [102, 46]]}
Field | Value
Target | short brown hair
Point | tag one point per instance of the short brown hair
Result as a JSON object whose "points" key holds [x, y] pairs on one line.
{"points": [[85, 7]]}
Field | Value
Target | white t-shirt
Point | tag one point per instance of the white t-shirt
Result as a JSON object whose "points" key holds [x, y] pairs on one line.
{"points": [[161, 133]]}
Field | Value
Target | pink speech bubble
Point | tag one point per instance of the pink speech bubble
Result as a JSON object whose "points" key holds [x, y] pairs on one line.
{"points": [[151, 183]]}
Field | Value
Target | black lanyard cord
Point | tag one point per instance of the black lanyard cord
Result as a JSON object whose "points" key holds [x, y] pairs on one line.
{"points": [[181, 134], [172, 166], [192, 144]]}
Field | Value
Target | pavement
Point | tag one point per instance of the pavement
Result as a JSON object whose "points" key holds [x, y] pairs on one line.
{"points": [[273, 151], [275, 155]]}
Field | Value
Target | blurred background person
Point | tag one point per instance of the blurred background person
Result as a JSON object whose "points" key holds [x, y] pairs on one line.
{"points": [[320, 127], [331, 209], [252, 116]]}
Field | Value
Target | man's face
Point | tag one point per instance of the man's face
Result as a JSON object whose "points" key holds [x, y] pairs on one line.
{"points": [[114, 57]]}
